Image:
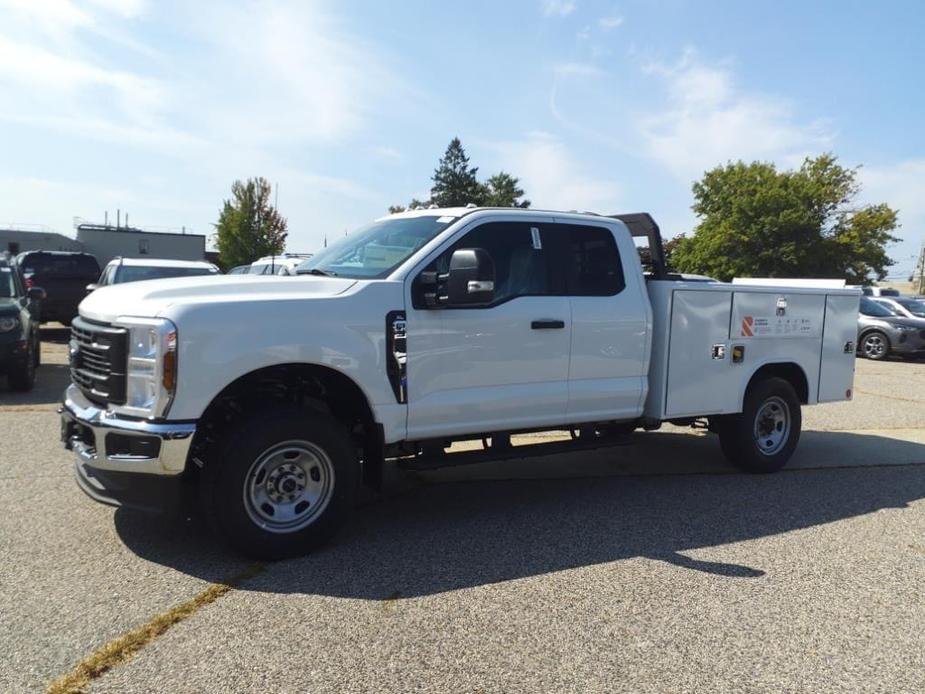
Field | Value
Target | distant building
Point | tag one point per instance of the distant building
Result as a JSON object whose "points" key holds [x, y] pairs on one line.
{"points": [[19, 240], [107, 242]]}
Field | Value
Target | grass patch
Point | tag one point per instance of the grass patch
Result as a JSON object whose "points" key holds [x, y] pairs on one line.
{"points": [[124, 647]]}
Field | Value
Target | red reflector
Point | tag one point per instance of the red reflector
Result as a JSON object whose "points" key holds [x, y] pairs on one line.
{"points": [[28, 283]]}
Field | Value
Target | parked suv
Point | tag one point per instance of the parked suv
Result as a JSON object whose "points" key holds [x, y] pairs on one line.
{"points": [[64, 277], [120, 270], [19, 328], [883, 330]]}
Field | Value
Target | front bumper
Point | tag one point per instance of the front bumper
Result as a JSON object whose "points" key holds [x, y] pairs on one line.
{"points": [[123, 462], [908, 343]]}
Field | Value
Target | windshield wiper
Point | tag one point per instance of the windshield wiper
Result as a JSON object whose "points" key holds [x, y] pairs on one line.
{"points": [[319, 271]]}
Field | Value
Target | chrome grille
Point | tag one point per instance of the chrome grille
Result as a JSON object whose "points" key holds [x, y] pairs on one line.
{"points": [[97, 360]]}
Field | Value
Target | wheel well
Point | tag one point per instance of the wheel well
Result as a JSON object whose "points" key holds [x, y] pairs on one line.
{"points": [[310, 386], [790, 372]]}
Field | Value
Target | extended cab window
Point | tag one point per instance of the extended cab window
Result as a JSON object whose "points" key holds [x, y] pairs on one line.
{"points": [[521, 261], [594, 267]]}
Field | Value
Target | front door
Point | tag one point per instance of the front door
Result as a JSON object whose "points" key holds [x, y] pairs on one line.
{"points": [[497, 367]]}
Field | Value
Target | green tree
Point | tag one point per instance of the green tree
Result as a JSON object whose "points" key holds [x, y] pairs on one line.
{"points": [[393, 209], [455, 182], [760, 222], [249, 227], [503, 190]]}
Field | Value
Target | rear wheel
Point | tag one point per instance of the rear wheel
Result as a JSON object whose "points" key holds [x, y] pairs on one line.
{"points": [[763, 437], [283, 484], [875, 345], [37, 350]]}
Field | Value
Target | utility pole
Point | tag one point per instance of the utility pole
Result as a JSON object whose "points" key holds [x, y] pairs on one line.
{"points": [[918, 275]]}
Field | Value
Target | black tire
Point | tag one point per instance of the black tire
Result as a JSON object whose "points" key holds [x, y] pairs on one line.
{"points": [[22, 378], [229, 478], [770, 399], [37, 351], [875, 345]]}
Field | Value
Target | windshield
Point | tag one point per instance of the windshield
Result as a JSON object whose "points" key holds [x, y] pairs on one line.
{"points": [[914, 306], [374, 251], [870, 307], [136, 273]]}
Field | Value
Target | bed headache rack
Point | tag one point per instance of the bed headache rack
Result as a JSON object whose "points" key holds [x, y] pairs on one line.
{"points": [[641, 225]]}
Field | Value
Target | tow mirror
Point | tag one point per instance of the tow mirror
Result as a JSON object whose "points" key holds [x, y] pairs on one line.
{"points": [[471, 279], [36, 293]]}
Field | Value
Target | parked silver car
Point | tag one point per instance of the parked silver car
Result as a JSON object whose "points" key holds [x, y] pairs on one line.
{"points": [[883, 331], [904, 305]]}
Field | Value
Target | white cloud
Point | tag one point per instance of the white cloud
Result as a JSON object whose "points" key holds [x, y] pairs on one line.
{"points": [[552, 177], [610, 22], [387, 153], [558, 8], [577, 69], [710, 120]]}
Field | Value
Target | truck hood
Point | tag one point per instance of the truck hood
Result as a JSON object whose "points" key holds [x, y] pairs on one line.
{"points": [[154, 297]]}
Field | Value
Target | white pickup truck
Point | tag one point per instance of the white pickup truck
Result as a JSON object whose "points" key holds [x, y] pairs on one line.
{"points": [[275, 398]]}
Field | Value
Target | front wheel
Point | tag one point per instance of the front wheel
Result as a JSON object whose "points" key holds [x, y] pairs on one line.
{"points": [[284, 483], [875, 345], [763, 437], [22, 378]]}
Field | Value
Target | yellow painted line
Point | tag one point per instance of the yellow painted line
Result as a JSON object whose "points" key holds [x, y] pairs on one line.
{"points": [[124, 647]]}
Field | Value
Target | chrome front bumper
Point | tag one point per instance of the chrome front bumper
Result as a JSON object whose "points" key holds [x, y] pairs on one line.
{"points": [[104, 441]]}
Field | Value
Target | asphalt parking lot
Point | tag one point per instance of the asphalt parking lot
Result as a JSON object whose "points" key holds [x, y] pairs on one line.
{"points": [[649, 567]]}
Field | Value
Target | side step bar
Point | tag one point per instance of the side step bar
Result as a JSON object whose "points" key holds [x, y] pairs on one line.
{"points": [[423, 462]]}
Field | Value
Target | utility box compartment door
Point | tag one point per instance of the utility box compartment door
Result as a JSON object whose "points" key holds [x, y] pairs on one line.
{"points": [[839, 344], [780, 315], [700, 380]]}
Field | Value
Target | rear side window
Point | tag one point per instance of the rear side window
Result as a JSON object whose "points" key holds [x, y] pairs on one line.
{"points": [[593, 262], [61, 265]]}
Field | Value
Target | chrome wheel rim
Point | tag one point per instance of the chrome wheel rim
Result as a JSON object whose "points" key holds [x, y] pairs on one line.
{"points": [[874, 346], [289, 486], [772, 425]]}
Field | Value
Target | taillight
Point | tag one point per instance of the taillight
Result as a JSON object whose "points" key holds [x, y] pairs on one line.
{"points": [[28, 283]]}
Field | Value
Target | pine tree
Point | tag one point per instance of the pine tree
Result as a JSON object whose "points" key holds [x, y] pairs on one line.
{"points": [[455, 182]]}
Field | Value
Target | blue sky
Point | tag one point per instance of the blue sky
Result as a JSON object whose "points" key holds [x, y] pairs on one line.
{"points": [[156, 107]]}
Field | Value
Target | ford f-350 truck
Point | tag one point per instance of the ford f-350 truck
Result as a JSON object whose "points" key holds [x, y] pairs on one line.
{"points": [[275, 398]]}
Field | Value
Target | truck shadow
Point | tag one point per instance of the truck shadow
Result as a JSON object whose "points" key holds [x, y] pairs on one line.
{"points": [[443, 537]]}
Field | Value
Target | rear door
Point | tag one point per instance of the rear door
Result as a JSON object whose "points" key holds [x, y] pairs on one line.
{"points": [[608, 366]]}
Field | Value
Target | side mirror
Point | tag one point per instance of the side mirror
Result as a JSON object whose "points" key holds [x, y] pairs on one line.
{"points": [[471, 279], [36, 293], [92, 287]]}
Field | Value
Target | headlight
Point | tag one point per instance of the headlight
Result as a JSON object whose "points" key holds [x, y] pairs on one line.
{"points": [[151, 370], [8, 324]]}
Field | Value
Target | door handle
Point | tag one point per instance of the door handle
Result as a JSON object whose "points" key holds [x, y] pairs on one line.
{"points": [[547, 324]]}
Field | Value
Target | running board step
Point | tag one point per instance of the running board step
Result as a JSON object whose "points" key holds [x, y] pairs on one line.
{"points": [[422, 463]]}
